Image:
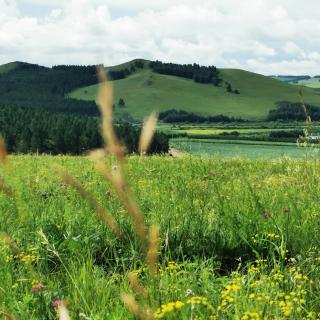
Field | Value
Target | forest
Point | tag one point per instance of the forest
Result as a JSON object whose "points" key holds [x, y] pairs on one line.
{"points": [[34, 86], [197, 73], [175, 116], [30, 130], [288, 111]]}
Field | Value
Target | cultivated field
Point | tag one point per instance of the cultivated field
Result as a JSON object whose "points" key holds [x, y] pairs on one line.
{"points": [[244, 149], [239, 239]]}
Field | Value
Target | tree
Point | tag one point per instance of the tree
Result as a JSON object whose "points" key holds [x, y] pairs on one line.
{"points": [[121, 103]]}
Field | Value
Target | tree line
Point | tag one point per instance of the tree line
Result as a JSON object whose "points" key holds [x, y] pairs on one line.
{"points": [[197, 73], [288, 111], [176, 116], [124, 72], [34, 86], [28, 130]]}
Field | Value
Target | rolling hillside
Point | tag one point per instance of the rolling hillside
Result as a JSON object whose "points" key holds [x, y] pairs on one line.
{"points": [[311, 83], [145, 91], [307, 81], [73, 89]]}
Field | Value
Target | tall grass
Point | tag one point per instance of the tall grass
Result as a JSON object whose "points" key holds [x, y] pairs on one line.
{"points": [[122, 237]]}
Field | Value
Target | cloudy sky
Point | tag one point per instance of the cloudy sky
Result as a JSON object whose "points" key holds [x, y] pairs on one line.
{"points": [[265, 36]]}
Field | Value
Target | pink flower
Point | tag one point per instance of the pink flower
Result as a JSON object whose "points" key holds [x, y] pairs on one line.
{"points": [[57, 303], [285, 210], [37, 287]]}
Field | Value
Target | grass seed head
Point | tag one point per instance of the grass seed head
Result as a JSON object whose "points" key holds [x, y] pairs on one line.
{"points": [[147, 133], [3, 152]]}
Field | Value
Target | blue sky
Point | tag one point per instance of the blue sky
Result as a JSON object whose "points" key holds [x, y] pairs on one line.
{"points": [[264, 36]]}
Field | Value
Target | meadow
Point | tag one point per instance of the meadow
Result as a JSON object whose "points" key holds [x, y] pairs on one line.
{"points": [[145, 91], [243, 148], [238, 239]]}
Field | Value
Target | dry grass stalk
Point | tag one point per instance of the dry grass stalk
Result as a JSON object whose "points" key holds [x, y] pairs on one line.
{"points": [[3, 152], [152, 254], [63, 312], [105, 104], [6, 315], [136, 285], [102, 213], [147, 133], [305, 110], [135, 308], [125, 196]]}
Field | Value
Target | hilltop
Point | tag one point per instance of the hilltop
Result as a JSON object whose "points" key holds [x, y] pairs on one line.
{"points": [[140, 90], [145, 90]]}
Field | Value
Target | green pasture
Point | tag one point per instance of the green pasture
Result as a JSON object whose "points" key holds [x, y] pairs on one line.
{"points": [[145, 91], [244, 149], [311, 83], [239, 239]]}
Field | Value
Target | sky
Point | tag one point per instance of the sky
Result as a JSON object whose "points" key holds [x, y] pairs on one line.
{"points": [[263, 36]]}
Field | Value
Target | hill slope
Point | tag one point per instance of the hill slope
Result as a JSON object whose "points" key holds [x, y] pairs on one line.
{"points": [[145, 91]]}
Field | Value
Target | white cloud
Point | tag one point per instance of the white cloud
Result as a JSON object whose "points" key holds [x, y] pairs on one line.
{"points": [[259, 35]]}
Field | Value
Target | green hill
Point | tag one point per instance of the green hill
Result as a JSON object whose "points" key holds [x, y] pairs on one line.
{"points": [[311, 83], [73, 89], [307, 81], [8, 67], [145, 91]]}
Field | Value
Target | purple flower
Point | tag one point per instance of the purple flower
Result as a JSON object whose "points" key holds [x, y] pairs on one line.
{"points": [[57, 303]]}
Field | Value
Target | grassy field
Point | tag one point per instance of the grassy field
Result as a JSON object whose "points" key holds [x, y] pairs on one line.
{"points": [[145, 91], [239, 239], [311, 83], [243, 149]]}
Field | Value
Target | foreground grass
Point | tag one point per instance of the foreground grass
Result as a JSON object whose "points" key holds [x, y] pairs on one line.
{"points": [[241, 234]]}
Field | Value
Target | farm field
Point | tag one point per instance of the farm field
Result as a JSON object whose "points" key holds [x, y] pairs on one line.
{"points": [[238, 240], [311, 83], [243, 149]]}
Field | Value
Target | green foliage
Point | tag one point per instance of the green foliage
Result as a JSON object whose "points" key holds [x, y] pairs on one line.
{"points": [[33, 86], [121, 103], [239, 233], [30, 130], [287, 111], [175, 116], [194, 71]]}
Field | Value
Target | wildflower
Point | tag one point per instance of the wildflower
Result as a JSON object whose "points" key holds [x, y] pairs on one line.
{"points": [[267, 214], [57, 303], [285, 210], [189, 293], [107, 194], [114, 167], [37, 287]]}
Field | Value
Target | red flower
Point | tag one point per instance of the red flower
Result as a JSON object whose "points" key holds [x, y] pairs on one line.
{"points": [[57, 303], [267, 214], [37, 287]]}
